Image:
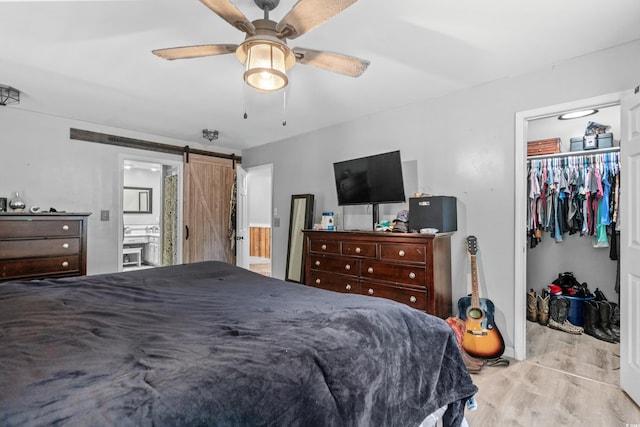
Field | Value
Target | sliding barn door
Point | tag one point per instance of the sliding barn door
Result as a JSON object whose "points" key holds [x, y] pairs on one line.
{"points": [[208, 187]]}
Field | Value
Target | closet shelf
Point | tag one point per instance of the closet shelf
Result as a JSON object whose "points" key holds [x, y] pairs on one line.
{"points": [[575, 153]]}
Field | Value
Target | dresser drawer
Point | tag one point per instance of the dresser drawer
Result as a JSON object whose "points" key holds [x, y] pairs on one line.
{"points": [[413, 297], [34, 267], [404, 253], [39, 228], [37, 248], [361, 249], [325, 246], [336, 264], [396, 273], [333, 282]]}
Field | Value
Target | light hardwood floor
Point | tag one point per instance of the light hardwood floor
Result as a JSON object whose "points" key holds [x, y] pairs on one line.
{"points": [[567, 380]]}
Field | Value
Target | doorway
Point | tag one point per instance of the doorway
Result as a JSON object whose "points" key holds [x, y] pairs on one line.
{"points": [[259, 204], [150, 218], [522, 123]]}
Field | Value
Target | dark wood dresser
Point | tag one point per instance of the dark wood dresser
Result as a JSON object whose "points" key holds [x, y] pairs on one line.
{"points": [[42, 245], [411, 268]]}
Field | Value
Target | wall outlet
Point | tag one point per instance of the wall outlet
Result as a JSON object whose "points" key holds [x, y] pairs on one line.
{"points": [[276, 222], [104, 215]]}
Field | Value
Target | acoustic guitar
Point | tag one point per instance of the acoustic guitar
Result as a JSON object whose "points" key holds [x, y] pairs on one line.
{"points": [[482, 338]]}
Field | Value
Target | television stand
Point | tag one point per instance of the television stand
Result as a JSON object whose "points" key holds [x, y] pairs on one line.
{"points": [[375, 209]]}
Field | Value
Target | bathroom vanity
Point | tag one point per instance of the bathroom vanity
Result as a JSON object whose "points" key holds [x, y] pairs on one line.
{"points": [[141, 245]]}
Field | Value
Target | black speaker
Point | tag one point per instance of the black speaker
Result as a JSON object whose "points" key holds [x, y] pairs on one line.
{"points": [[433, 212]]}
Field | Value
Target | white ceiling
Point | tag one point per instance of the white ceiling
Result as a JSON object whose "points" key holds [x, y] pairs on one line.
{"points": [[91, 60]]}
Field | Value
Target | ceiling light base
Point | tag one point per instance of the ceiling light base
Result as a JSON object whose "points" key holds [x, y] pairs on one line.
{"points": [[210, 134], [268, 4], [9, 95]]}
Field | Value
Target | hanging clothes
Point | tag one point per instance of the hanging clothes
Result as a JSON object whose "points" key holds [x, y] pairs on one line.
{"points": [[573, 194]]}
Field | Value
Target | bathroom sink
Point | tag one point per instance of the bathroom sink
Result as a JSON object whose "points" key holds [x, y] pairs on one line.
{"points": [[135, 239]]}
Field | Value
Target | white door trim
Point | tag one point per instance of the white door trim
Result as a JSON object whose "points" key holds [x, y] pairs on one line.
{"points": [[520, 247], [242, 219]]}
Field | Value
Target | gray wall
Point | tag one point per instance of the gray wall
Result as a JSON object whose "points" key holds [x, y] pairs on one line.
{"points": [[38, 159], [464, 147]]}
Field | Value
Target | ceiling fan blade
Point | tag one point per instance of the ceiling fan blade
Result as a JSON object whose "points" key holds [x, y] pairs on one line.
{"points": [[227, 11], [198, 51], [308, 14], [336, 62]]}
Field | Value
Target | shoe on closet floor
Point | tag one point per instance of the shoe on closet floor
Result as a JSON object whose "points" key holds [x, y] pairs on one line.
{"points": [[543, 309], [592, 322], [558, 316], [532, 306]]}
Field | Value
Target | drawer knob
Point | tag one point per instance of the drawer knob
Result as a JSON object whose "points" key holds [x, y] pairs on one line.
{"points": [[412, 275], [358, 250], [347, 267], [370, 291], [317, 263], [401, 253], [65, 227], [65, 264], [65, 245], [413, 299], [348, 287], [324, 247], [317, 281], [370, 270]]}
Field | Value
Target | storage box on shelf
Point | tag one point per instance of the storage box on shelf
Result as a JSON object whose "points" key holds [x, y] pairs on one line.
{"points": [[591, 142], [543, 146], [411, 268]]}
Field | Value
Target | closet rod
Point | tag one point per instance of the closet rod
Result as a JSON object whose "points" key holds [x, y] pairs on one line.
{"points": [[575, 153]]}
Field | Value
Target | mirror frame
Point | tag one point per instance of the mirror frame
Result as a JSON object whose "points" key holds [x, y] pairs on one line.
{"points": [[300, 218], [141, 191]]}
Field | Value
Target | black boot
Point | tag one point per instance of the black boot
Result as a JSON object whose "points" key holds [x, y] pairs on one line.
{"points": [[614, 324], [605, 319], [599, 295], [615, 314], [592, 322], [558, 312]]}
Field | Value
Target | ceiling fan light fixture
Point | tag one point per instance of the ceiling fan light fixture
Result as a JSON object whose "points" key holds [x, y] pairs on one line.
{"points": [[266, 65]]}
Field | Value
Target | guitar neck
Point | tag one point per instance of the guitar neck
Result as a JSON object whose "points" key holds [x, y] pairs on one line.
{"points": [[475, 299]]}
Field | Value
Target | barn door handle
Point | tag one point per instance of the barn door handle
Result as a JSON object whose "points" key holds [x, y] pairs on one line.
{"points": [[186, 227]]}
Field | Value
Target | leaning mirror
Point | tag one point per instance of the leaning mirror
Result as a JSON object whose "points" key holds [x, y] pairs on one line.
{"points": [[136, 200], [301, 218]]}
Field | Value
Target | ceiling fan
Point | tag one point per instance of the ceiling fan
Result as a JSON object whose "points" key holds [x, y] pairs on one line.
{"points": [[264, 50]]}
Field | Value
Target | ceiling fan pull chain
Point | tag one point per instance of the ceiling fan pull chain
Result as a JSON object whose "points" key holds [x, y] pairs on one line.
{"points": [[284, 107], [245, 100]]}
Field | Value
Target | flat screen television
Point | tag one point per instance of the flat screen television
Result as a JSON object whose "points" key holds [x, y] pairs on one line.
{"points": [[370, 180]]}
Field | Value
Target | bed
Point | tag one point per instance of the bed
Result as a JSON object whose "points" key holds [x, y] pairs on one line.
{"points": [[213, 344]]}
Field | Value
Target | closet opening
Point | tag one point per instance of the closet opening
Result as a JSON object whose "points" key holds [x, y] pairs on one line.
{"points": [[537, 267], [572, 250]]}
